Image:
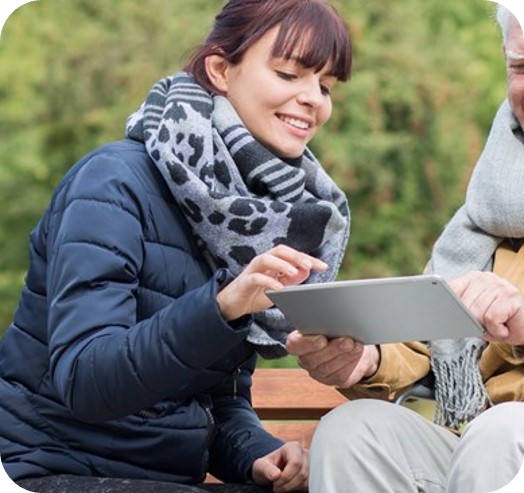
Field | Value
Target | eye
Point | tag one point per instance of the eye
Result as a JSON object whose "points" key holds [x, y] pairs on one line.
{"points": [[326, 90], [519, 69], [286, 75]]}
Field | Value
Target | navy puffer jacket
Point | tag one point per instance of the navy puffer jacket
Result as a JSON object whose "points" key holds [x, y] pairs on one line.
{"points": [[118, 362]]}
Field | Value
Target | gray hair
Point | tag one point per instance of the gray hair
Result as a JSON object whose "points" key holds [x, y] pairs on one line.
{"points": [[503, 18]]}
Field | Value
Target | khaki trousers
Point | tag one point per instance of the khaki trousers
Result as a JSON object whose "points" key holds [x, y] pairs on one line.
{"points": [[370, 446]]}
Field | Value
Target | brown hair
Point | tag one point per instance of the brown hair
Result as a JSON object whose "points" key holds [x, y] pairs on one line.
{"points": [[243, 22]]}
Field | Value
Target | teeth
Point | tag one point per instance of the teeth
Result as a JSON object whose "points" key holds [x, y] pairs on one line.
{"points": [[295, 122]]}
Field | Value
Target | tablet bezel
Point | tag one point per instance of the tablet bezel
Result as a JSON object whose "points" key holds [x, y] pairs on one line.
{"points": [[379, 311]]}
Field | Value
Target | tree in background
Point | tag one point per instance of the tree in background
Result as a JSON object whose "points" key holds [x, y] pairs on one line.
{"points": [[411, 123], [406, 130]]}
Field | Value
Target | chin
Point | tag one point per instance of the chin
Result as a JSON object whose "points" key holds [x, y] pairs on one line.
{"points": [[288, 153], [291, 156]]}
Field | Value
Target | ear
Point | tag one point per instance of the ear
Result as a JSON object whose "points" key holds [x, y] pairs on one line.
{"points": [[217, 71]]}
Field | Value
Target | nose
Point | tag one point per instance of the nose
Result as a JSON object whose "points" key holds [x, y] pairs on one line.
{"points": [[311, 94]]}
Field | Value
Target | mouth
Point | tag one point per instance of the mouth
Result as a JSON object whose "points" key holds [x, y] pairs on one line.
{"points": [[295, 122]]}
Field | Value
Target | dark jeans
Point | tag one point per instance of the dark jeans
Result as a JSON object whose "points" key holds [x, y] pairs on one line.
{"points": [[85, 484]]}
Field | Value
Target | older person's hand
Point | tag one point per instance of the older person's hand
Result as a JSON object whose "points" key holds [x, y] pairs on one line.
{"points": [[495, 302], [341, 362]]}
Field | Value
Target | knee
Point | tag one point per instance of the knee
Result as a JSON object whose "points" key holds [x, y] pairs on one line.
{"points": [[494, 440], [359, 417], [503, 422]]}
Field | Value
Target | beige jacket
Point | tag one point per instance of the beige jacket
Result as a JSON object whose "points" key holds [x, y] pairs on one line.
{"points": [[501, 365], [402, 365]]}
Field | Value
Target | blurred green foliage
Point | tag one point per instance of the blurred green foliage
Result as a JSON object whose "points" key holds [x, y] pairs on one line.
{"points": [[405, 133]]}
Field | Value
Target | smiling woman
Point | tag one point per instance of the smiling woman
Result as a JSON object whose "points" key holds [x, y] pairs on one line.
{"points": [[281, 101], [144, 305]]}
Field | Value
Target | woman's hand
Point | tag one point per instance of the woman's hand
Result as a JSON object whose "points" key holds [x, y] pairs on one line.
{"points": [[286, 468], [281, 266], [341, 362], [495, 302]]}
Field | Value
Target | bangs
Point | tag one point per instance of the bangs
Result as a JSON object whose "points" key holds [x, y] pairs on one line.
{"points": [[315, 37]]}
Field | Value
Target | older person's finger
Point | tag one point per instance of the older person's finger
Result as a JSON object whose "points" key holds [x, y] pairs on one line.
{"points": [[300, 344]]}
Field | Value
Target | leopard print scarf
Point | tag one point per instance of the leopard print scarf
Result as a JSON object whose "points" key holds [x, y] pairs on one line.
{"points": [[240, 199]]}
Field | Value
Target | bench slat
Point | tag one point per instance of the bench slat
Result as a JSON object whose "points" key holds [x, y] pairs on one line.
{"points": [[290, 393], [290, 431]]}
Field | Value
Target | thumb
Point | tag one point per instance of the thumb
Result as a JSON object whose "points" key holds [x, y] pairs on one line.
{"points": [[265, 471], [271, 472]]}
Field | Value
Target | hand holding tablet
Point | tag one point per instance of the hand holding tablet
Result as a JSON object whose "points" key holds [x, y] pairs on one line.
{"points": [[378, 311]]}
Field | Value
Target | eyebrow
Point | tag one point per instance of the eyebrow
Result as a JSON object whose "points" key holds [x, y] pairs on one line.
{"points": [[514, 55]]}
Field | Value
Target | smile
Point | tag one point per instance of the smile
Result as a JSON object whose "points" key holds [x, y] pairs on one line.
{"points": [[295, 122]]}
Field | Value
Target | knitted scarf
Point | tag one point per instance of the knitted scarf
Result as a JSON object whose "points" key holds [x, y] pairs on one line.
{"points": [[492, 212], [239, 198]]}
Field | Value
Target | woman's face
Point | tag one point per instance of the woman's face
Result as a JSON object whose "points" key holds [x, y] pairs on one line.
{"points": [[280, 102]]}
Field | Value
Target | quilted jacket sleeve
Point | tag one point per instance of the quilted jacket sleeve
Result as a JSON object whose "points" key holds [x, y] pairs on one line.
{"points": [[104, 364], [240, 438]]}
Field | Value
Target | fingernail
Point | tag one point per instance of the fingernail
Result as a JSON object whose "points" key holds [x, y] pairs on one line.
{"points": [[346, 344], [320, 342], [306, 263]]}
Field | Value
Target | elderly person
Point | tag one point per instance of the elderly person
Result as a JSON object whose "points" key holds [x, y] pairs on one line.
{"points": [[477, 442]]}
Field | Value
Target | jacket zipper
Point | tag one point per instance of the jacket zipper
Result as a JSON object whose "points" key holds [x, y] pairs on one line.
{"points": [[211, 427], [235, 375]]}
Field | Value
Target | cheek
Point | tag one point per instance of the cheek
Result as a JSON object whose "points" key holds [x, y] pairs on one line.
{"points": [[516, 90], [516, 99], [325, 113]]}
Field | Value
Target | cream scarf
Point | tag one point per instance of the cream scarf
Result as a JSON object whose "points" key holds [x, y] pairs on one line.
{"points": [[492, 212]]}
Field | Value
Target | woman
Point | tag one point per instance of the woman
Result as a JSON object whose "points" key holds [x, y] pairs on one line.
{"points": [[131, 352]]}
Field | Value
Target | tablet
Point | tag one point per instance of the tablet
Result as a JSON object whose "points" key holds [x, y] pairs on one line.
{"points": [[378, 311]]}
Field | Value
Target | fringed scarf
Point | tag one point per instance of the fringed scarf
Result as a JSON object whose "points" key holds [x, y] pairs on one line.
{"points": [[239, 198], [493, 211]]}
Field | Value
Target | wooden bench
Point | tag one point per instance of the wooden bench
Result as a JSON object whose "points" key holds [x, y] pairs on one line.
{"points": [[290, 403]]}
